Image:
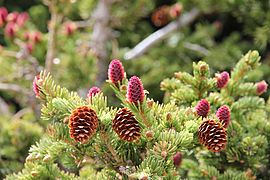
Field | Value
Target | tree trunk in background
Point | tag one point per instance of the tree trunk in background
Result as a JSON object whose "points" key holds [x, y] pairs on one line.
{"points": [[101, 35]]}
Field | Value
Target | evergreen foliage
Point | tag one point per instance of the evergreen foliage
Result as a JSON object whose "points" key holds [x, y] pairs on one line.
{"points": [[166, 129]]}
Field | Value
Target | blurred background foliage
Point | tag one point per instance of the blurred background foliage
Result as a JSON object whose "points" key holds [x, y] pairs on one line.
{"points": [[224, 30]]}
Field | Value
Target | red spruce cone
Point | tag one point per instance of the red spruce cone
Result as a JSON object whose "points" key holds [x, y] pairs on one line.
{"points": [[116, 71], [36, 89], [93, 91], [3, 16], [202, 108], [161, 16], [222, 79], [224, 115], [176, 10], [135, 90], [177, 159], [261, 87], [126, 126], [213, 135], [83, 123]]}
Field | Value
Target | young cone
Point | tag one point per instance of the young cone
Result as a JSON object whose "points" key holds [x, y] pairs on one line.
{"points": [[177, 159], [35, 85], [261, 87], [3, 16], [212, 135], [161, 16], [83, 123], [11, 29], [126, 126], [135, 90], [116, 71], [202, 108], [224, 115], [222, 79], [93, 91]]}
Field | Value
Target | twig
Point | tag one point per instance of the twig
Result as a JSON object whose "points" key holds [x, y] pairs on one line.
{"points": [[24, 54], [196, 47], [110, 148], [4, 109], [161, 34], [12, 87], [21, 113], [84, 24]]}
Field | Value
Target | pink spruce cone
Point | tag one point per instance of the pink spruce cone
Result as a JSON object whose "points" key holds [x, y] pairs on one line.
{"points": [[35, 36], [116, 71], [70, 28], [224, 115], [29, 48], [202, 108], [93, 91], [177, 159], [3, 16], [11, 29], [222, 79], [135, 90], [22, 18], [35, 85], [12, 17], [261, 87], [176, 10]]}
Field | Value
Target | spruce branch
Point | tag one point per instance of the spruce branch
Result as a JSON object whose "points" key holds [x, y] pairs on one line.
{"points": [[161, 34], [12, 87], [248, 62]]}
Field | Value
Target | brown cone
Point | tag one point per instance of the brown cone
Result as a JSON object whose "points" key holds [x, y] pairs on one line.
{"points": [[83, 123], [126, 126], [213, 135]]}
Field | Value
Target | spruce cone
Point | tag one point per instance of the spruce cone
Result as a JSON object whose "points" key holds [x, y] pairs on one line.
{"points": [[261, 87], [177, 159], [161, 16], [3, 16], [116, 71], [176, 10], [222, 79], [93, 91], [224, 115], [213, 135], [83, 123], [126, 126], [202, 108], [135, 90], [35, 86]]}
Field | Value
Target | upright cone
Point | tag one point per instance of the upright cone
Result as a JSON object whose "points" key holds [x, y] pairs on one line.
{"points": [[202, 108], [135, 92], [213, 135], [83, 123], [224, 115], [126, 126], [116, 71]]}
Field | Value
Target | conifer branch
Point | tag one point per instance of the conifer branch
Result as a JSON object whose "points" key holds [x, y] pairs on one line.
{"points": [[161, 34]]}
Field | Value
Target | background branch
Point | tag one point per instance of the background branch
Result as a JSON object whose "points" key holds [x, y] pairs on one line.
{"points": [[51, 47], [4, 108], [100, 36], [161, 34], [196, 47], [12, 87]]}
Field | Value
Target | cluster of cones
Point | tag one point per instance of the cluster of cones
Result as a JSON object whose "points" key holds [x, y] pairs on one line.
{"points": [[83, 121], [212, 133]]}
